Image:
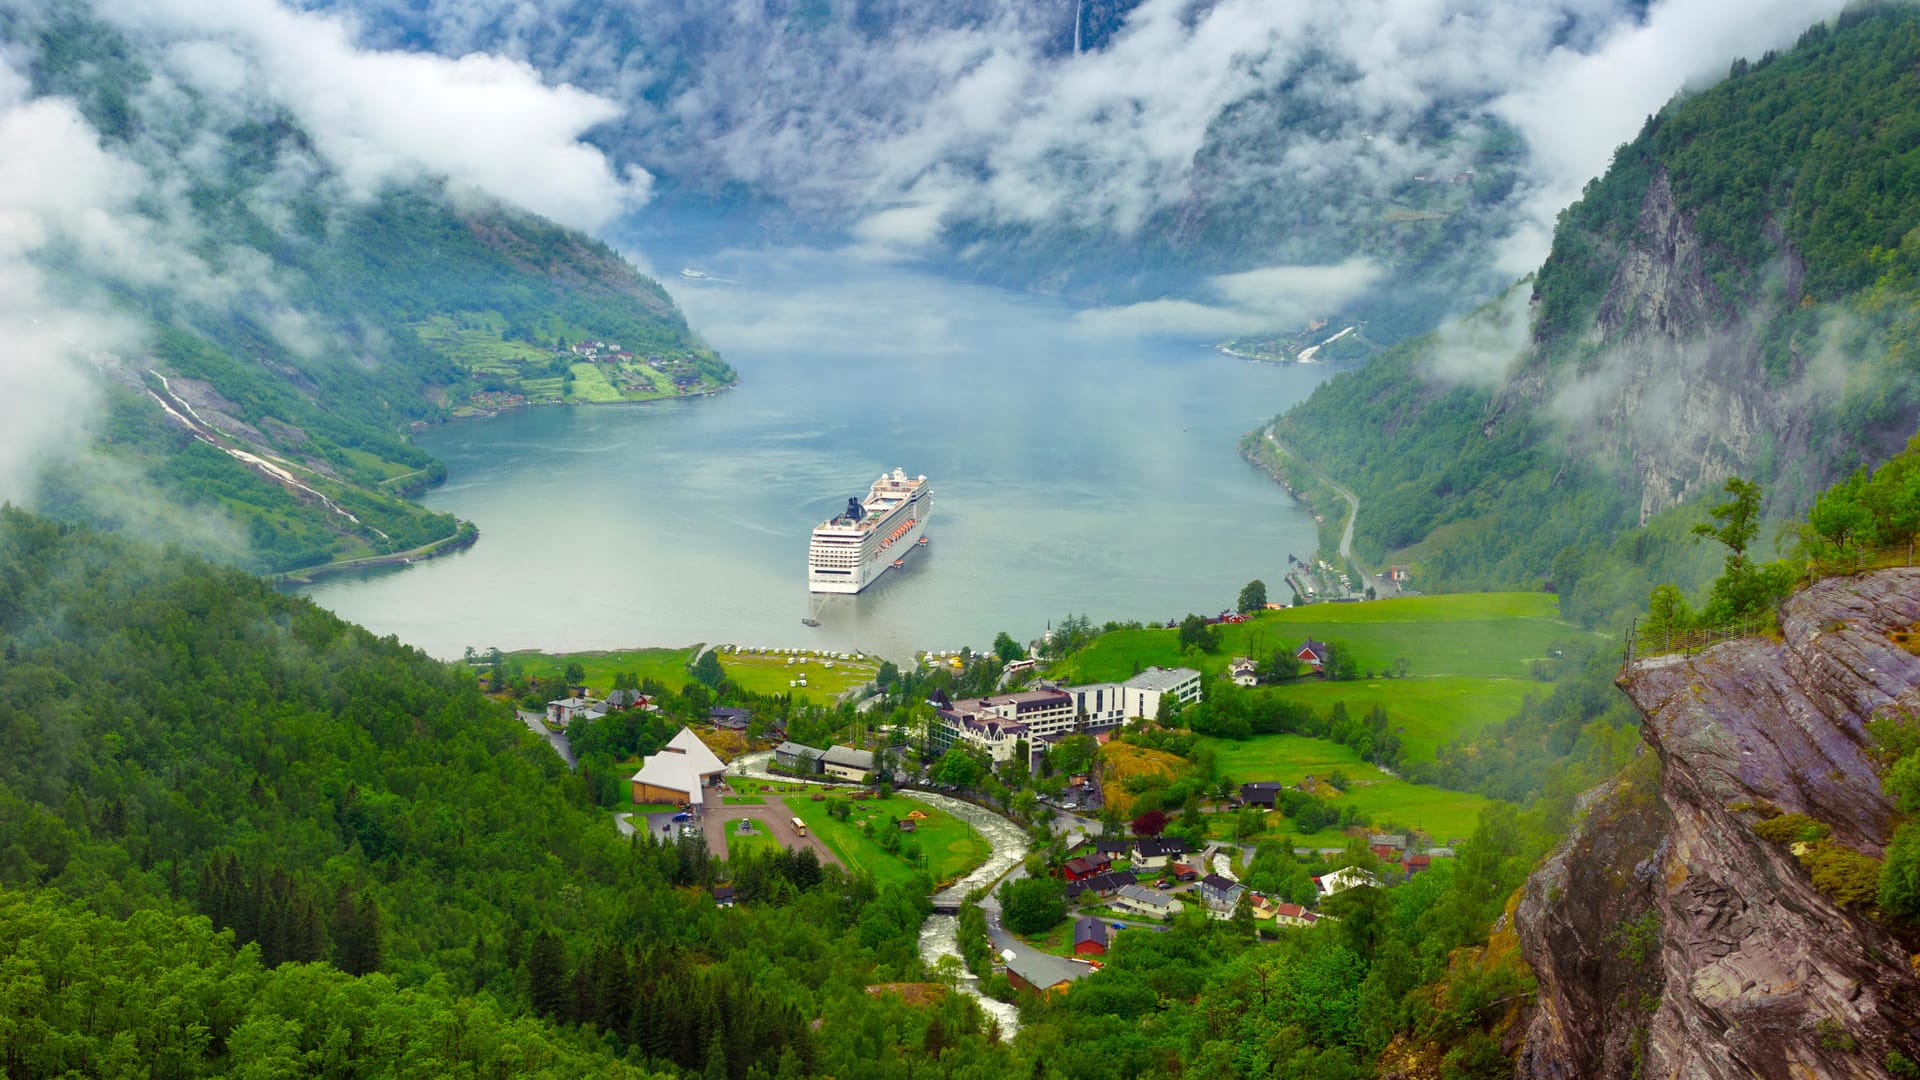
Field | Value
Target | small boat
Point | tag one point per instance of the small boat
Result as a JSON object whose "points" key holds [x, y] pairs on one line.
{"points": [[809, 621], [898, 563], [923, 541]]}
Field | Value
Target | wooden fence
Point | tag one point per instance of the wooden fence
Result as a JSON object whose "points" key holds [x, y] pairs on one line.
{"points": [[1645, 641]]}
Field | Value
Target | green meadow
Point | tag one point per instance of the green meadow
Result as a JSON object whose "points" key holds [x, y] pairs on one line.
{"points": [[762, 673], [1389, 801], [951, 846]]}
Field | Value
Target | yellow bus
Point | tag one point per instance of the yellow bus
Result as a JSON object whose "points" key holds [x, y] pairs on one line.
{"points": [[799, 826]]}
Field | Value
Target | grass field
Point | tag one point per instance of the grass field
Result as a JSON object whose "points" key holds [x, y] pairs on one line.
{"points": [[951, 846], [742, 800], [669, 666], [590, 385], [758, 840], [1492, 634], [1389, 801], [1426, 712], [1469, 657], [764, 673]]}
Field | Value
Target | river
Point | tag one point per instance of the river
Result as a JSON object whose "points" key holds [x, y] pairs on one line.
{"points": [[1073, 472]]}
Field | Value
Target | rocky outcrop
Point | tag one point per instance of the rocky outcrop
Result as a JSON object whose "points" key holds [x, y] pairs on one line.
{"points": [[1671, 940]]}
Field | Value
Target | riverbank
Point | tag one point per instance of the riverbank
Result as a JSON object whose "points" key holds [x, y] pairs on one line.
{"points": [[465, 536]]}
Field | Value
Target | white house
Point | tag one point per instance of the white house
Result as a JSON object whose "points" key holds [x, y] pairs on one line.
{"points": [[1148, 902], [561, 713], [847, 763], [1244, 671], [1343, 879]]}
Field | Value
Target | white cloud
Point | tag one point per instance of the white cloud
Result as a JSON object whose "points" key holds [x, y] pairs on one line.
{"points": [[379, 116], [1255, 301], [1578, 106], [57, 186]]}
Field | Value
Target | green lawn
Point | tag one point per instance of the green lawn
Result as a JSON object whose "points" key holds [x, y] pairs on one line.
{"points": [[758, 840], [742, 800], [762, 673], [1489, 634], [1388, 800], [951, 846], [590, 385], [1427, 711], [669, 666]]}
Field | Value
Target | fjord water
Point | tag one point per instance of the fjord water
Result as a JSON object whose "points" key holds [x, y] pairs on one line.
{"points": [[1073, 472]]}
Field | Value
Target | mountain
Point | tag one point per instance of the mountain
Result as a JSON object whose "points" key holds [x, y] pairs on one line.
{"points": [[238, 835], [1106, 150], [272, 330], [1714, 913], [1734, 297]]}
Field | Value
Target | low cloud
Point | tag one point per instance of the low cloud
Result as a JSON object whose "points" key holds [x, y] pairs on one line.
{"points": [[58, 189], [379, 116], [903, 124], [1483, 348], [1254, 301]]}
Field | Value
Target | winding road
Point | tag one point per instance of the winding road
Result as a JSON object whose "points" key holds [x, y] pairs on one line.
{"points": [[1345, 492]]}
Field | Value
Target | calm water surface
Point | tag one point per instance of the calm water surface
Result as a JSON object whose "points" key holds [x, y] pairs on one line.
{"points": [[1072, 472]]}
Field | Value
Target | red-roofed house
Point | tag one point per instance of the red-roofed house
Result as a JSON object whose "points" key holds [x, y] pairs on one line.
{"points": [[1314, 654]]}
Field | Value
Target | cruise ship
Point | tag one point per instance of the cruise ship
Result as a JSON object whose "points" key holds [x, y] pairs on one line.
{"points": [[851, 550]]}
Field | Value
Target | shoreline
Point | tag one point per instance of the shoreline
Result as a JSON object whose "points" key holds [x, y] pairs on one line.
{"points": [[465, 535], [418, 426]]}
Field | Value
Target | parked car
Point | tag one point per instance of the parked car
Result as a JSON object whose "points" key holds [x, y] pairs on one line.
{"points": [[682, 816]]}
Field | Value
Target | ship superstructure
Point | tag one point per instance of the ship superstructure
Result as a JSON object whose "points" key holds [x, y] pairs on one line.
{"points": [[873, 535]]}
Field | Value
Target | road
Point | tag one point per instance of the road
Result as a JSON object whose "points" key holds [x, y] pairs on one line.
{"points": [[771, 818], [537, 723], [1367, 580]]}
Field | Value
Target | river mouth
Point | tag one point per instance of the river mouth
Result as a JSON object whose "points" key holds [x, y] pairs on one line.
{"points": [[1071, 474]]}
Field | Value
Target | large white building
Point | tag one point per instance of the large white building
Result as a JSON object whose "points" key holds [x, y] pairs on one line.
{"points": [[997, 724]]}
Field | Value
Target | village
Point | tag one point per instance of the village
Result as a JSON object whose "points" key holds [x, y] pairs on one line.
{"points": [[873, 801]]}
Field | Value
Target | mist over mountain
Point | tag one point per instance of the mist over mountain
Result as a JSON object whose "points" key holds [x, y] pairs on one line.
{"points": [[230, 277], [1125, 151]]}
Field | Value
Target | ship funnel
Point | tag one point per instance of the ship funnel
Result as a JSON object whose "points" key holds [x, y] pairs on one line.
{"points": [[853, 509]]}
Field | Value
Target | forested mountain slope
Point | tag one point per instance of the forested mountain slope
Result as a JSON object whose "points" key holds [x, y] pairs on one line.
{"points": [[182, 743], [1735, 296], [266, 335]]}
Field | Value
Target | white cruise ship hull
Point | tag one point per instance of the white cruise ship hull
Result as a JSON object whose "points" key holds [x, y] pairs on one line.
{"points": [[851, 551], [869, 571]]}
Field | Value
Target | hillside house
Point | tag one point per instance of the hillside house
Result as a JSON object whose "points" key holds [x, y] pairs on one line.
{"points": [[1148, 902], [1182, 872], [798, 757], [847, 763], [560, 713], [1314, 654], [1090, 936], [1244, 672], [680, 773], [729, 719], [1082, 867], [1155, 852], [1221, 894], [723, 896], [1343, 879], [1102, 885], [1261, 793], [1041, 973]]}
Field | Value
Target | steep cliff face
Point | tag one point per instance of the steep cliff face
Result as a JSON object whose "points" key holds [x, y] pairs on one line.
{"points": [[1668, 937]]}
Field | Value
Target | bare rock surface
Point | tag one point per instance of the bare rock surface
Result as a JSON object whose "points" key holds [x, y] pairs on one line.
{"points": [[1671, 940]]}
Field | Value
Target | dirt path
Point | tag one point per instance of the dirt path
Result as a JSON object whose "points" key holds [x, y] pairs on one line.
{"points": [[773, 817]]}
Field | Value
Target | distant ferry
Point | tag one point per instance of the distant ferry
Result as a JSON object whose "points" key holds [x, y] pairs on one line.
{"points": [[690, 272], [872, 536]]}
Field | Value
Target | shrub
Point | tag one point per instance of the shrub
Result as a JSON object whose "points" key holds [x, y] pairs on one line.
{"points": [[1843, 873], [1792, 829]]}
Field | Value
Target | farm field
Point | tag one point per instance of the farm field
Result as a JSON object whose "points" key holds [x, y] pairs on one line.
{"points": [[1386, 799], [950, 845], [769, 673], [1486, 634], [1425, 711], [668, 666]]}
